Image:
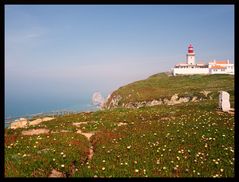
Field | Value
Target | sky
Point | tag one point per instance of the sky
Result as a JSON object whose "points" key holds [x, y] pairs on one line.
{"points": [[62, 54]]}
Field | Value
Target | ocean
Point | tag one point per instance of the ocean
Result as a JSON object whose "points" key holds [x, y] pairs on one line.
{"points": [[15, 109]]}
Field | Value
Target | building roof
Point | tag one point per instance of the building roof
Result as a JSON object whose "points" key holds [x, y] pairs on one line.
{"points": [[217, 67], [222, 62]]}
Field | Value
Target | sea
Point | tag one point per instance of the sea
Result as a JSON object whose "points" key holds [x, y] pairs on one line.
{"points": [[26, 109]]}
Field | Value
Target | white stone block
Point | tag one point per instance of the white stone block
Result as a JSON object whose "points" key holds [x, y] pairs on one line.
{"points": [[224, 101]]}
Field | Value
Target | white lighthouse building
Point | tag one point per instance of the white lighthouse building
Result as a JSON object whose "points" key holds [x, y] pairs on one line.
{"points": [[191, 67]]}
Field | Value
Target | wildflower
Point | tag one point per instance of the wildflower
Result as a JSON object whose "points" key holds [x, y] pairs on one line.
{"points": [[221, 170], [64, 155], [128, 147], [135, 162], [34, 146], [76, 169], [103, 168], [178, 158], [136, 170], [126, 163], [69, 145], [158, 161], [62, 165], [53, 159], [36, 142], [103, 161], [24, 155], [88, 167], [164, 168]]}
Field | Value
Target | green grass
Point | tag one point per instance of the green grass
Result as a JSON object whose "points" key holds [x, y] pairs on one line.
{"points": [[162, 86], [185, 140], [153, 136]]}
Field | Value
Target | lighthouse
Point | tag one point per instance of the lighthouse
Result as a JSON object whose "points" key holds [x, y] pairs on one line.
{"points": [[190, 55]]}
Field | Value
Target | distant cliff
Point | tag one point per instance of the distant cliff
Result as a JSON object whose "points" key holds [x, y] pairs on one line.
{"points": [[163, 88]]}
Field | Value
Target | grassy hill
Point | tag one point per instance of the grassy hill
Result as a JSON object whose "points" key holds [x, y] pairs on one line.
{"points": [[192, 139], [161, 86]]}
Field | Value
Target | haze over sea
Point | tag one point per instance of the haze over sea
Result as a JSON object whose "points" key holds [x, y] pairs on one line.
{"points": [[57, 56]]}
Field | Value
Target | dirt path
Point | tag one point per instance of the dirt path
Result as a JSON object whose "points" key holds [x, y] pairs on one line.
{"points": [[35, 131], [87, 135]]}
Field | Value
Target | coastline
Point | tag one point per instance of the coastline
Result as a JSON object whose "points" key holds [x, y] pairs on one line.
{"points": [[9, 120]]}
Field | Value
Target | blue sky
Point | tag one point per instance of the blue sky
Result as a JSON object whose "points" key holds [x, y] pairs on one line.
{"points": [[64, 53]]}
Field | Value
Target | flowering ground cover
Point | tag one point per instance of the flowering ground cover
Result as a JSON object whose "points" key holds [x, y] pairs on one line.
{"points": [[184, 140]]}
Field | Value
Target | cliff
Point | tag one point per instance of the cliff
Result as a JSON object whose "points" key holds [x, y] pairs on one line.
{"points": [[170, 90]]}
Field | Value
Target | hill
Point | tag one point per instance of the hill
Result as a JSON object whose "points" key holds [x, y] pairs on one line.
{"points": [[161, 88], [187, 139]]}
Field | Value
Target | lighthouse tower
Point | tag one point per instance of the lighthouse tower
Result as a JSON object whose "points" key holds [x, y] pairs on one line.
{"points": [[190, 55]]}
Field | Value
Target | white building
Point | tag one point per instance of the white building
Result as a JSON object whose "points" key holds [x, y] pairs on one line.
{"points": [[191, 68], [221, 67]]}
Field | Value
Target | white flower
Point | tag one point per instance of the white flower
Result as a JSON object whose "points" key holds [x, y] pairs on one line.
{"points": [[128, 147], [136, 170], [62, 165], [103, 168], [62, 153], [103, 161], [53, 159], [221, 170]]}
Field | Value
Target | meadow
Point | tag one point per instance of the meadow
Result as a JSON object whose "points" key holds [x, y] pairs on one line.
{"points": [[192, 139]]}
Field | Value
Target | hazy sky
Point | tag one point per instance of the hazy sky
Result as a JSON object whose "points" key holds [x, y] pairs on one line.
{"points": [[66, 52]]}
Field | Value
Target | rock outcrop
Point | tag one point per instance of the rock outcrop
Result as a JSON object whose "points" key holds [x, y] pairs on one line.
{"points": [[20, 123], [114, 102]]}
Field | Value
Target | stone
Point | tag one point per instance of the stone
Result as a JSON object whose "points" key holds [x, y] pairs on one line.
{"points": [[39, 120], [224, 101], [56, 174], [194, 99], [35, 131], [21, 123]]}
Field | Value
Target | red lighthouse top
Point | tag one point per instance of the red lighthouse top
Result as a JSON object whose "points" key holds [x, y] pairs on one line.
{"points": [[190, 49]]}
